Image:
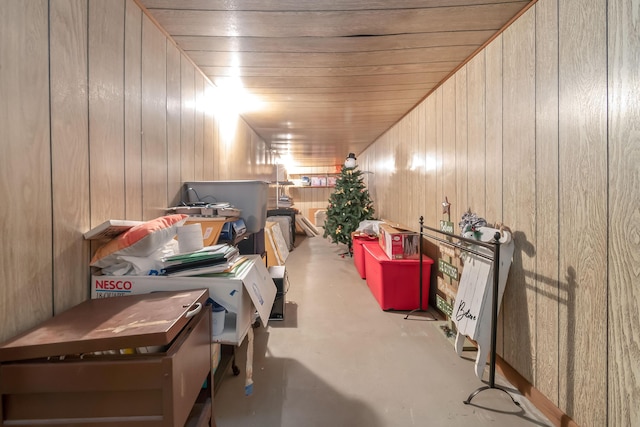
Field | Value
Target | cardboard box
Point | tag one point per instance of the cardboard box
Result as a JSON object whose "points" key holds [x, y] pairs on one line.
{"points": [[242, 294], [399, 243]]}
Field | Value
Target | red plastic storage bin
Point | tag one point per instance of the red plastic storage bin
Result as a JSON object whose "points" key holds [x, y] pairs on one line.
{"points": [[395, 283], [358, 253]]}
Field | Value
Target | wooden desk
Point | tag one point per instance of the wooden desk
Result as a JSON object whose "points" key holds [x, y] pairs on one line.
{"points": [[90, 365]]}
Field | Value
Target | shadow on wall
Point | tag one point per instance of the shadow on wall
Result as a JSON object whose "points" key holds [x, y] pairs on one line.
{"points": [[563, 294], [516, 328], [285, 392]]}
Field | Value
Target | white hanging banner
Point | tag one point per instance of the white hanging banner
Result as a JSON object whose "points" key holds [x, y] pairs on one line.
{"points": [[473, 306]]}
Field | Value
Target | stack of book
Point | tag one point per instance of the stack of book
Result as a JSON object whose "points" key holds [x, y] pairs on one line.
{"points": [[210, 259]]}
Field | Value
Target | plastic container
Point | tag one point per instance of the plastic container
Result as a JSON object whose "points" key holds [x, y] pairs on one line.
{"points": [[249, 196], [395, 283], [189, 238], [218, 314], [358, 253], [320, 217]]}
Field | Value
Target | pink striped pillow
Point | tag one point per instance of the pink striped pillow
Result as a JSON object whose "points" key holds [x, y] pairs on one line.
{"points": [[141, 240]]}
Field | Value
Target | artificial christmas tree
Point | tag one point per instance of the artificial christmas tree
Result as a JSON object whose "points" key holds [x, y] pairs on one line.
{"points": [[349, 204]]}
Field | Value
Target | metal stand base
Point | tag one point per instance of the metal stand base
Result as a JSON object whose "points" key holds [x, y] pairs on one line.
{"points": [[472, 395], [419, 310]]}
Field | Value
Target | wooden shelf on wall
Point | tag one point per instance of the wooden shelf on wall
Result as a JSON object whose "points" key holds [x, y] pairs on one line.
{"points": [[326, 180]]}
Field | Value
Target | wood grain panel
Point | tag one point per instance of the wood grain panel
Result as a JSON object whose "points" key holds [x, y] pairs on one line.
{"points": [[476, 121], [174, 102], [266, 167], [431, 70], [227, 124], [69, 151], [216, 148], [336, 23], [624, 244], [265, 162], [132, 110], [340, 97], [583, 203], [249, 152], [361, 117], [408, 174], [549, 293], [399, 180], [379, 175], [364, 107], [333, 44], [253, 142], [357, 91], [187, 121], [246, 155], [199, 127], [420, 164], [449, 188], [209, 140], [391, 201], [235, 152], [432, 207], [306, 198], [26, 272], [413, 150], [154, 116], [339, 59], [493, 162], [519, 192], [369, 159], [256, 145], [461, 132], [439, 124], [377, 183], [332, 47], [106, 110], [198, 165], [278, 5], [395, 197], [494, 111]]}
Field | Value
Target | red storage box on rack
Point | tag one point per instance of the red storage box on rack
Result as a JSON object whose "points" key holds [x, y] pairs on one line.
{"points": [[395, 283], [358, 252]]}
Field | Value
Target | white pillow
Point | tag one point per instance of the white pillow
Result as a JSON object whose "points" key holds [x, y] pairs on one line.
{"points": [[140, 241]]}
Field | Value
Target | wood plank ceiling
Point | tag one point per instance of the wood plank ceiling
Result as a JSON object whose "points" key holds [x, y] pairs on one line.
{"points": [[330, 76]]}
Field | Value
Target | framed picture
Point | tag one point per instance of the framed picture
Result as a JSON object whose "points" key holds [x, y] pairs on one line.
{"points": [[315, 181]]}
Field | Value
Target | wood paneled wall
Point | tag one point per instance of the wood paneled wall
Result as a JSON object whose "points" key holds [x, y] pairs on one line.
{"points": [[306, 198], [102, 118], [540, 130], [623, 214], [25, 166]]}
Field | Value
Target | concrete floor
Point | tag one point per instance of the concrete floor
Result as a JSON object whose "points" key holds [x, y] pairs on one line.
{"points": [[338, 360]]}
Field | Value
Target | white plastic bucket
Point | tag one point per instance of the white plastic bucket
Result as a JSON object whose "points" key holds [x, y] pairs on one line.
{"points": [[217, 319]]}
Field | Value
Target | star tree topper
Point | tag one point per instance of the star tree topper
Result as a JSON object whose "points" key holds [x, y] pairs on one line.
{"points": [[446, 206]]}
